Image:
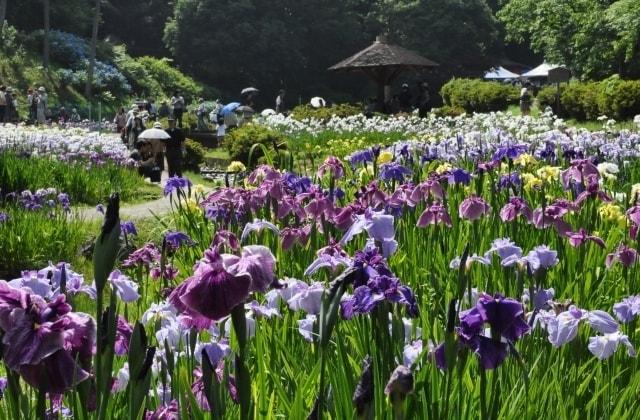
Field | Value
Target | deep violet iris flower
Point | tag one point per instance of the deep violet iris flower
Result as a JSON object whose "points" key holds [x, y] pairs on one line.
{"points": [[177, 239], [176, 183], [506, 324], [46, 343], [221, 282]]}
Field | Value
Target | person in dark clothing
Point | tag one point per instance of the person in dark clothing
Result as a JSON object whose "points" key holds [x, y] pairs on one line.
{"points": [[3, 102], [423, 99], [145, 160], [174, 148], [405, 98]]}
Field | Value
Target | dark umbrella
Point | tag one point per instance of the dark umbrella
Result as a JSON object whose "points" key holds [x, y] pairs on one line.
{"points": [[249, 90]]}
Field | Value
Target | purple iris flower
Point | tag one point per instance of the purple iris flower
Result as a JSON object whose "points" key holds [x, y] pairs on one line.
{"points": [[145, 256], [176, 184], [378, 289], [100, 208], [177, 239], [514, 208], [363, 156], [331, 256], [256, 226], [128, 228], [393, 171], [47, 344], [623, 254], [509, 180], [509, 151], [578, 172], [63, 199], [221, 282], [261, 310], [563, 328], [3, 217], [434, 215], [506, 321], [37, 283], [296, 184], [592, 190], [333, 166], [627, 309], [429, 188], [123, 336], [459, 176], [169, 411], [542, 258], [291, 236], [541, 298], [602, 322], [170, 272], [473, 208], [580, 237], [552, 216]]}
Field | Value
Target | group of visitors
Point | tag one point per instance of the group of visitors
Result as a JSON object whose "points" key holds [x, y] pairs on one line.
{"points": [[36, 104], [150, 153], [405, 101]]}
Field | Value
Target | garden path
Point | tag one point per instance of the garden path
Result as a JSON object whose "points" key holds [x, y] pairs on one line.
{"points": [[139, 211]]}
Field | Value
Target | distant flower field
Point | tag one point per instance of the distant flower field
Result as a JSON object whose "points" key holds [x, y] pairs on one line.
{"points": [[483, 266]]}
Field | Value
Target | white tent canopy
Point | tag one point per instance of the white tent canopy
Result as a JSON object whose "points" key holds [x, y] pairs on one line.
{"points": [[500, 73], [541, 71]]}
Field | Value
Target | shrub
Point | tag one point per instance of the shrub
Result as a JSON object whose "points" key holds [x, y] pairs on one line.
{"points": [[447, 111], [302, 112], [239, 142], [613, 97], [478, 96], [195, 155]]}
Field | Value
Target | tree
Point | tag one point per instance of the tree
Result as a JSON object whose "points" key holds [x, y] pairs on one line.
{"points": [[595, 38], [45, 47], [92, 53], [3, 14]]}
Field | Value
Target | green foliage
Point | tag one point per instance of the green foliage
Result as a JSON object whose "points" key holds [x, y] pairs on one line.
{"points": [[239, 142], [613, 97], [447, 111], [594, 38], [195, 155], [302, 112], [474, 95], [30, 239], [84, 182]]}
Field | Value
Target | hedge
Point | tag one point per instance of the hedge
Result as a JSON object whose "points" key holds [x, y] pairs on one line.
{"points": [[474, 95], [239, 142], [613, 97]]}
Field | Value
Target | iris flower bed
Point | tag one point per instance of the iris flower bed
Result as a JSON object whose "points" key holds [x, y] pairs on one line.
{"points": [[489, 273]]}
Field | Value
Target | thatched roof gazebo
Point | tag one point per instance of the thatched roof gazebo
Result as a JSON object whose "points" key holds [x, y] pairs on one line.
{"points": [[383, 63]]}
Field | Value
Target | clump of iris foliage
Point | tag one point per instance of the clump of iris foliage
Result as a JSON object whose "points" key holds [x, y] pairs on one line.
{"points": [[486, 271]]}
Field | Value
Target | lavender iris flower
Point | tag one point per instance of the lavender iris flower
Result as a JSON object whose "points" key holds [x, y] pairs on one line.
{"points": [[305, 327], [509, 151], [176, 184], [602, 322], [307, 298], [563, 328], [333, 166], [505, 248], [605, 345], [363, 156], [256, 226], [145, 256], [623, 254], [125, 288], [627, 309], [37, 283]]}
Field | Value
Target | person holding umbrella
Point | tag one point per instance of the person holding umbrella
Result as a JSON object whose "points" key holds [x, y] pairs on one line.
{"points": [[156, 137], [174, 148]]}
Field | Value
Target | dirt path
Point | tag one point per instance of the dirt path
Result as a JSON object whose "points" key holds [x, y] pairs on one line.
{"points": [[139, 211]]}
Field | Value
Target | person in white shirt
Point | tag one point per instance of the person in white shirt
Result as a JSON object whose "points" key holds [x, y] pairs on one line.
{"points": [[280, 101], [177, 103], [222, 130]]}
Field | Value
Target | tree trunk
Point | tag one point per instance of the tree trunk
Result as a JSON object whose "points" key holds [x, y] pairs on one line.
{"points": [[3, 13], [45, 49], [92, 56]]}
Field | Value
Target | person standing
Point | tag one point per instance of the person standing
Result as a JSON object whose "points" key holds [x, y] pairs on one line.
{"points": [[405, 98], [32, 103], [221, 131], [42, 106], [120, 120], [280, 101], [525, 100], [201, 112], [423, 99], [134, 130], [11, 110], [177, 103], [3, 102], [75, 117], [163, 111], [174, 147]]}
